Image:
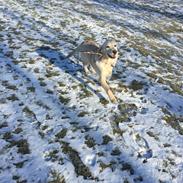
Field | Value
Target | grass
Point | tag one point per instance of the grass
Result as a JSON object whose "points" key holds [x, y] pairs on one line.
{"points": [[9, 86], [36, 70], [167, 145], [51, 73], [56, 177], [32, 62], [106, 139], [17, 130], [49, 91], [125, 112], [44, 127], [42, 134], [52, 155], [42, 83], [31, 89], [41, 104], [13, 98], [127, 167], [151, 134], [7, 136], [112, 165], [19, 164], [3, 125], [15, 177], [136, 85], [61, 84], [118, 131], [174, 122], [122, 87], [85, 93], [89, 141], [82, 114], [29, 112], [174, 86], [22, 145], [120, 119], [61, 134], [104, 101], [64, 100], [80, 168], [103, 166]]}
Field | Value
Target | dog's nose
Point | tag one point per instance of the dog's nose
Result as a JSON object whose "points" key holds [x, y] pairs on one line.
{"points": [[114, 51]]}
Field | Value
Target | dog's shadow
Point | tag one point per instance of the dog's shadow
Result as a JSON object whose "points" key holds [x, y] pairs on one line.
{"points": [[68, 66]]}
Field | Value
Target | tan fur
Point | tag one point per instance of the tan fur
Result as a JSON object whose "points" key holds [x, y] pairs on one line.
{"points": [[100, 59]]}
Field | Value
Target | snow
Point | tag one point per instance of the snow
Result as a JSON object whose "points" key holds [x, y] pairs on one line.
{"points": [[53, 124]]}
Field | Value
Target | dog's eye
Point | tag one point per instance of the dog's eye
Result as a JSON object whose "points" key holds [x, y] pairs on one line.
{"points": [[107, 46], [115, 45]]}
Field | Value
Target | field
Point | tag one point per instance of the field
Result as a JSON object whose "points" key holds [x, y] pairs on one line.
{"points": [[57, 124]]}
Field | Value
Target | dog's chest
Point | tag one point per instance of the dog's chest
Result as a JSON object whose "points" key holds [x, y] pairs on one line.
{"points": [[106, 66]]}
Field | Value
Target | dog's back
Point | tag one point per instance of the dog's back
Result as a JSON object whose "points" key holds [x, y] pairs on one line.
{"points": [[85, 51]]}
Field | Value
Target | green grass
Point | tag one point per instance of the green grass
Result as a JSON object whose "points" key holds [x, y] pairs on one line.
{"points": [[19, 164], [127, 167], [42, 83], [151, 134], [51, 73], [174, 122], [56, 177], [62, 133], [89, 141], [17, 130], [7, 136], [29, 112], [106, 139], [49, 91], [13, 98], [22, 145], [82, 114], [9, 86], [53, 155], [85, 93], [104, 101], [64, 100], [3, 125], [80, 168], [31, 89], [136, 85]]}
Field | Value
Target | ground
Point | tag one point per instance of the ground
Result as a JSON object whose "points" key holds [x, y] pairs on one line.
{"points": [[57, 125]]}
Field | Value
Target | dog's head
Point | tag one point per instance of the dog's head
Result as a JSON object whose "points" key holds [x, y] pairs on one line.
{"points": [[109, 49]]}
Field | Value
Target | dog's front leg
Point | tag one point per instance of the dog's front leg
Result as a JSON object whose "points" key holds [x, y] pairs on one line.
{"points": [[107, 89]]}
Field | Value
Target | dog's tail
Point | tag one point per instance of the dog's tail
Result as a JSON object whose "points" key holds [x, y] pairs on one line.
{"points": [[77, 49], [70, 54]]}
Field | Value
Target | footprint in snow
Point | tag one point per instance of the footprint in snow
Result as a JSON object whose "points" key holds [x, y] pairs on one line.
{"points": [[144, 149]]}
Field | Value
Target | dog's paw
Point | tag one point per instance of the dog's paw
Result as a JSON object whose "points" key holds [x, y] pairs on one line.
{"points": [[114, 100]]}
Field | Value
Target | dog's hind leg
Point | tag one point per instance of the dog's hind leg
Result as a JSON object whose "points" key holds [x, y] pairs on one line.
{"points": [[85, 67], [107, 89], [92, 69]]}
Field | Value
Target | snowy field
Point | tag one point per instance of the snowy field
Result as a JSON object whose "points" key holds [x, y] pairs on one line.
{"points": [[57, 125]]}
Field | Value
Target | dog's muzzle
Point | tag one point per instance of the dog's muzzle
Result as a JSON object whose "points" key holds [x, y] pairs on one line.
{"points": [[113, 55]]}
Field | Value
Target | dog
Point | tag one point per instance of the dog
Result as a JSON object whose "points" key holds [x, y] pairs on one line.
{"points": [[98, 59]]}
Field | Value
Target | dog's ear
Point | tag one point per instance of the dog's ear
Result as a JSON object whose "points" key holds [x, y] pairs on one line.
{"points": [[102, 47]]}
